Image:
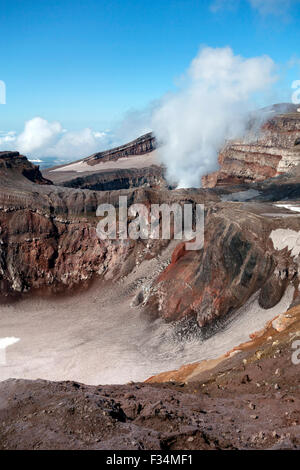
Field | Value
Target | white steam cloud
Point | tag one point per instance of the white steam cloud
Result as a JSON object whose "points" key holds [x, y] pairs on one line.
{"points": [[193, 124]]}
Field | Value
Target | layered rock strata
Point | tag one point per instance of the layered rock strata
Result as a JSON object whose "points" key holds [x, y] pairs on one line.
{"points": [[48, 233], [144, 144], [271, 151]]}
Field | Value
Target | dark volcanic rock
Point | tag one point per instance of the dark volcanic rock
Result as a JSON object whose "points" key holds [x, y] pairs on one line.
{"points": [[272, 291], [119, 179], [19, 164]]}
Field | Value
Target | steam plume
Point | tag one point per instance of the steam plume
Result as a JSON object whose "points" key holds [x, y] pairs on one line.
{"points": [[193, 123]]}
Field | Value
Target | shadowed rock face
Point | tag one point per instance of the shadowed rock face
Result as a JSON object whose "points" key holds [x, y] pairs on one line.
{"points": [[19, 164], [272, 151], [119, 179]]}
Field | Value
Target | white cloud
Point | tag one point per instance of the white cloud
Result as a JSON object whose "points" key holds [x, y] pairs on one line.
{"points": [[271, 7], [193, 123], [220, 5], [38, 134], [294, 62], [6, 138], [263, 7], [76, 144], [41, 138]]}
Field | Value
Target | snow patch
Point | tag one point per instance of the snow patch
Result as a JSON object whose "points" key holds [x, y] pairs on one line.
{"points": [[290, 207], [241, 196], [5, 342], [286, 238]]}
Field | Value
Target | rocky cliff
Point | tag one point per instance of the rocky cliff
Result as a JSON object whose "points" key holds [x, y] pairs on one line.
{"points": [[19, 165], [151, 176], [144, 144], [48, 232], [238, 259], [128, 166], [268, 151]]}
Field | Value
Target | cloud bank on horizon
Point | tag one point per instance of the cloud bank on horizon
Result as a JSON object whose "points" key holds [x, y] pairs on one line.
{"points": [[41, 138], [193, 123]]}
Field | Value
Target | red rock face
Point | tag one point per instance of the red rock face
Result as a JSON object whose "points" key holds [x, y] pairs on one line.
{"points": [[237, 260], [40, 251], [37, 251], [272, 152], [48, 234]]}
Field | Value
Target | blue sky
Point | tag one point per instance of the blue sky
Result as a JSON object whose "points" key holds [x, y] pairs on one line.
{"points": [[86, 63]]}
